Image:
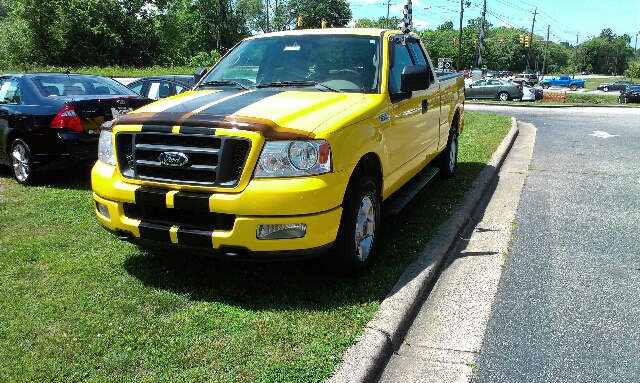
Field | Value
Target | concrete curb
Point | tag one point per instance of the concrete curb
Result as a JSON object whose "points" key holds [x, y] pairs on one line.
{"points": [[524, 105], [365, 360]]}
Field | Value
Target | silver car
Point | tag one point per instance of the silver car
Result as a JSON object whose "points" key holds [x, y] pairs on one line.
{"points": [[494, 89]]}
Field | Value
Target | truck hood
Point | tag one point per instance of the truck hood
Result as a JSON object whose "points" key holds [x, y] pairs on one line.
{"points": [[276, 113]]}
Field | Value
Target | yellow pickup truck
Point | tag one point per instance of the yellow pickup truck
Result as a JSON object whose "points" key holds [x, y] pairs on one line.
{"points": [[289, 147]]}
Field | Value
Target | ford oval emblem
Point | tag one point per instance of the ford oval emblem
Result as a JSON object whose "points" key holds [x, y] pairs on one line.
{"points": [[173, 159]]}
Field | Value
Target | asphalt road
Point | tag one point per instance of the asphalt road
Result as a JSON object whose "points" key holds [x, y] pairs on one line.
{"points": [[568, 306]]}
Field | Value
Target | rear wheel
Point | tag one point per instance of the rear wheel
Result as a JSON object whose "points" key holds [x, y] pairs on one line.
{"points": [[503, 96], [545, 86], [21, 163], [573, 87], [606, 88], [357, 241]]}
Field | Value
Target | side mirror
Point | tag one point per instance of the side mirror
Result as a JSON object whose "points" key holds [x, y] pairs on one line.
{"points": [[199, 73], [415, 77]]}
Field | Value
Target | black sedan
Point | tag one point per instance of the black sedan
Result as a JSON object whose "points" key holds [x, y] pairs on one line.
{"points": [[157, 87], [630, 94], [52, 120], [616, 85]]}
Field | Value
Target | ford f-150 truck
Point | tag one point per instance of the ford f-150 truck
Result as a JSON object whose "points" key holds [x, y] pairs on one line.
{"points": [[286, 148], [564, 81]]}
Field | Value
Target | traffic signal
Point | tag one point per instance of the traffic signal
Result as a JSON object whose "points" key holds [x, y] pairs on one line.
{"points": [[475, 43], [527, 42], [521, 38], [324, 23], [453, 42], [501, 41]]}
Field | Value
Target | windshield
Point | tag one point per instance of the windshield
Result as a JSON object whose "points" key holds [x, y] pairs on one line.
{"points": [[319, 62]]}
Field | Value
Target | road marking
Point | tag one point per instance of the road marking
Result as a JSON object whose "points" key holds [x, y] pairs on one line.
{"points": [[600, 134]]}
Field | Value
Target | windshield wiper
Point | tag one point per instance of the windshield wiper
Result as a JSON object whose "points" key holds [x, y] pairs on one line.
{"points": [[301, 83], [224, 83]]}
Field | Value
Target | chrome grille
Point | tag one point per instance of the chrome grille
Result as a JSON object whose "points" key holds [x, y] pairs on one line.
{"points": [[216, 161]]}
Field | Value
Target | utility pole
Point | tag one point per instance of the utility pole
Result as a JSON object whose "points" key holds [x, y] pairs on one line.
{"points": [[575, 58], [460, 33], [388, 5], [484, 10], [546, 47], [267, 14], [531, 38]]}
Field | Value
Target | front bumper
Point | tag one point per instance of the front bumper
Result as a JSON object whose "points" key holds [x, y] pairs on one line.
{"points": [[207, 223]]}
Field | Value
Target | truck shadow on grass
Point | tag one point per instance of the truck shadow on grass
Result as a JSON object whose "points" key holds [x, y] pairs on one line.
{"points": [[72, 178], [309, 284]]}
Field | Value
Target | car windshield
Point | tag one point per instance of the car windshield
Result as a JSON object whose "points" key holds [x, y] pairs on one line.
{"points": [[315, 62], [62, 85]]}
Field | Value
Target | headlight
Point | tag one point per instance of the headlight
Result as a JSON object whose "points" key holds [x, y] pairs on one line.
{"points": [[294, 159], [105, 147]]}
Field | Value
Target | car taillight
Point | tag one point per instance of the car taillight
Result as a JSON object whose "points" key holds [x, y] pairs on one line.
{"points": [[67, 118], [519, 86]]}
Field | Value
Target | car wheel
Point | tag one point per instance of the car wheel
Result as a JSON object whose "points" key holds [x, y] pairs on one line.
{"points": [[573, 87], [21, 163], [545, 86], [448, 159], [606, 88], [357, 241], [503, 96]]}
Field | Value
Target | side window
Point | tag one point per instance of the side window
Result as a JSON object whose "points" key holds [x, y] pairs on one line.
{"points": [[417, 52], [401, 59], [9, 91], [138, 88]]}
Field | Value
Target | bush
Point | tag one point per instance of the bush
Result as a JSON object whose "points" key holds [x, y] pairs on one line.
{"points": [[204, 59]]}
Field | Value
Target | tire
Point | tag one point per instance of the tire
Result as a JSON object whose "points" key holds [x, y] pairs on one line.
{"points": [[545, 86], [22, 163], [573, 87], [357, 241], [606, 88], [503, 96], [448, 159]]}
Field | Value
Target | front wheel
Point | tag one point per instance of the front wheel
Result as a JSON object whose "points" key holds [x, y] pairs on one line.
{"points": [[21, 163], [357, 241], [573, 87], [448, 159], [503, 96]]}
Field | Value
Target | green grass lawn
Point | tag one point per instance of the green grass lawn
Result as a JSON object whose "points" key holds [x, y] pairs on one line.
{"points": [[80, 305]]}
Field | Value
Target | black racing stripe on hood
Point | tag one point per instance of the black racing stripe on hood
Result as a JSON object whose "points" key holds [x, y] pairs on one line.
{"points": [[234, 104], [196, 103]]}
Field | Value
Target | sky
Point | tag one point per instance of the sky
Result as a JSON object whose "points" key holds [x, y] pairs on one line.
{"points": [[567, 19]]}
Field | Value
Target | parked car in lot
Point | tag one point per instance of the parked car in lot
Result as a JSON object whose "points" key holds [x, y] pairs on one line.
{"points": [[52, 120], [157, 87], [616, 85], [494, 89], [531, 93], [563, 81], [630, 94], [528, 78]]}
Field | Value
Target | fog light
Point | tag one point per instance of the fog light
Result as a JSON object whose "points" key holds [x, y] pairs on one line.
{"points": [[286, 231], [103, 209]]}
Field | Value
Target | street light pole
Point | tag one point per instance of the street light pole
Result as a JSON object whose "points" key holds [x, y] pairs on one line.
{"points": [[635, 49], [460, 34]]}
